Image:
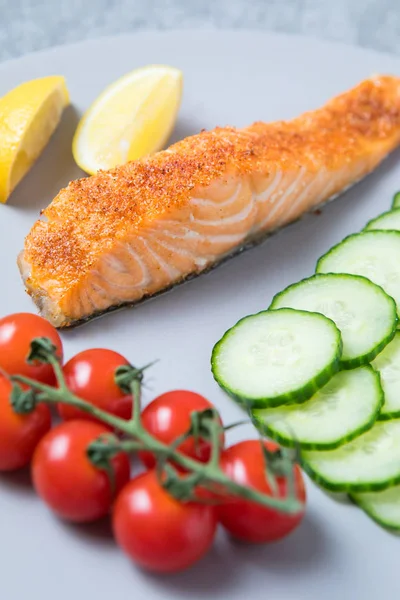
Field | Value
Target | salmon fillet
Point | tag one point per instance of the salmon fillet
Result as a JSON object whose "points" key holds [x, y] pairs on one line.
{"points": [[134, 231]]}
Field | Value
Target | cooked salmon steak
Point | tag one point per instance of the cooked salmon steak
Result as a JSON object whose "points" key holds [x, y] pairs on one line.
{"points": [[124, 235]]}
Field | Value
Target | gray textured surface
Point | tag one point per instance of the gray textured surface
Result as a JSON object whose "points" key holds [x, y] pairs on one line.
{"points": [[27, 25]]}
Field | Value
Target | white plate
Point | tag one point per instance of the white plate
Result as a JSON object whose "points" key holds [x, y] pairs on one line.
{"points": [[230, 78]]}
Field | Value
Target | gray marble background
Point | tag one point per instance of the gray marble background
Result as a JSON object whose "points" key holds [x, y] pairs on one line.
{"points": [[27, 25]]}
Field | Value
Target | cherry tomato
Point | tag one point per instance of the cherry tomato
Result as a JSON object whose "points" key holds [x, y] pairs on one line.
{"points": [[248, 521], [168, 417], [19, 434], [90, 375], [16, 333], [159, 532], [67, 481]]}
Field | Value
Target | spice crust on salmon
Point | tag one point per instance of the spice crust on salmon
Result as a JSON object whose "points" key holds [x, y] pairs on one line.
{"points": [[131, 232]]}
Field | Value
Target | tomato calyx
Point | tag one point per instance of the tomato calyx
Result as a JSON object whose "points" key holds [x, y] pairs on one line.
{"points": [[102, 450], [181, 486], [42, 350], [126, 375], [23, 401], [278, 463], [202, 423], [279, 460]]}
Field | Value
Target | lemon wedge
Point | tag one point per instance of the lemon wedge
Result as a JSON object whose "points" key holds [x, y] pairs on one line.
{"points": [[132, 117], [29, 114]]}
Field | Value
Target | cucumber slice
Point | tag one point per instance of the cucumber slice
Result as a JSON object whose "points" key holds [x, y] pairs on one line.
{"points": [[371, 462], [387, 220], [277, 357], [383, 507], [373, 254], [364, 313], [388, 365], [343, 409], [396, 200]]}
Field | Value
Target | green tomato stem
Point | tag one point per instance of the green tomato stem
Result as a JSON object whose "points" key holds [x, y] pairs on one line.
{"points": [[62, 395], [58, 372], [209, 473], [136, 390], [215, 445]]}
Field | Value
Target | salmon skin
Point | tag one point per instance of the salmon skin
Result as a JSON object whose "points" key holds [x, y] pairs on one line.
{"points": [[130, 233]]}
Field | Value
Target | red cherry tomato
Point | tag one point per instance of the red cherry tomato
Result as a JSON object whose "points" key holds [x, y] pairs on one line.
{"points": [[16, 333], [158, 532], [248, 521], [90, 375], [19, 434], [168, 417], [67, 481]]}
